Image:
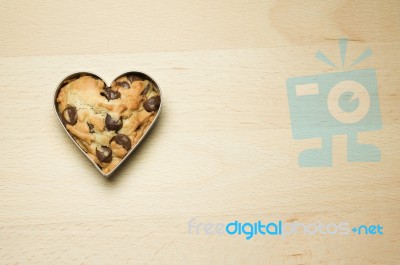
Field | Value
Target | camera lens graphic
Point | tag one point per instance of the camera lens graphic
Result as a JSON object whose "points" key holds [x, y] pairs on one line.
{"points": [[348, 101]]}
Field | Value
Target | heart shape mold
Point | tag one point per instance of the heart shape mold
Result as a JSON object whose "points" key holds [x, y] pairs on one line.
{"points": [[106, 122]]}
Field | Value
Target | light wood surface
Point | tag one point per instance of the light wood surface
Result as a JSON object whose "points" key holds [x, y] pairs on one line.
{"points": [[222, 149]]}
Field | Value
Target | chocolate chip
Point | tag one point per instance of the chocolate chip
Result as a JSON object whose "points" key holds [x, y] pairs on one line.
{"points": [[113, 125], [144, 92], [133, 78], [123, 84], [152, 104], [104, 154], [70, 115], [90, 127], [110, 94], [122, 140]]}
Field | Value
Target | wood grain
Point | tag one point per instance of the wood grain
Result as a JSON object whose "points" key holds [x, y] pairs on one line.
{"points": [[222, 149]]}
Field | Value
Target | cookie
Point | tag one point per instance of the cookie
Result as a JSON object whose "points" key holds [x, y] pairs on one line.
{"points": [[107, 121]]}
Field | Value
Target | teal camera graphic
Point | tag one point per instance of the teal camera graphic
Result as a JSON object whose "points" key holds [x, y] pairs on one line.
{"points": [[335, 104]]}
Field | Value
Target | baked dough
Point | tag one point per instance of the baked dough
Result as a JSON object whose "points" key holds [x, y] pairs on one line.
{"points": [[107, 122]]}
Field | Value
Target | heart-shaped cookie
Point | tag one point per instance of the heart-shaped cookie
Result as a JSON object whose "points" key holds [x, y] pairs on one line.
{"points": [[107, 122]]}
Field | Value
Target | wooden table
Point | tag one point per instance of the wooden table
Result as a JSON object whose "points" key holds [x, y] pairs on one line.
{"points": [[223, 148]]}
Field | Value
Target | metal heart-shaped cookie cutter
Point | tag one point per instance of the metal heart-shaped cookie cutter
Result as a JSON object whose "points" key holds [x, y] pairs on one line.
{"points": [[79, 74]]}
